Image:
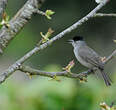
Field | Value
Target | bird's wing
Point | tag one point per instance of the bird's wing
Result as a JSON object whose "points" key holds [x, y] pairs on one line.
{"points": [[90, 56]]}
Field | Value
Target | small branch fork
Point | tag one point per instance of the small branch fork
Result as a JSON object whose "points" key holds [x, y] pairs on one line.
{"points": [[18, 64]]}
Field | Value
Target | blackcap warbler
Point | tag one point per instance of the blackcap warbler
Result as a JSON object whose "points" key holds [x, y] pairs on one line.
{"points": [[88, 57]]}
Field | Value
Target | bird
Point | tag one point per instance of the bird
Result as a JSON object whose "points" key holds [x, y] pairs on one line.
{"points": [[88, 57]]}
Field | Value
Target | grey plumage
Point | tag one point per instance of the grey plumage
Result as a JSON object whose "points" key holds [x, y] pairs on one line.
{"points": [[89, 58]]}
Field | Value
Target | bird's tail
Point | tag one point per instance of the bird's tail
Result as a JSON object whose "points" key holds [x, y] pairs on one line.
{"points": [[106, 78]]}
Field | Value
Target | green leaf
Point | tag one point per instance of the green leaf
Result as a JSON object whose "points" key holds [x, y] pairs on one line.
{"points": [[48, 13], [45, 37]]}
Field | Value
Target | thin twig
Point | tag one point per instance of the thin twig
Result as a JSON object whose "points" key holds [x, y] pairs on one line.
{"points": [[18, 63], [40, 12], [105, 15], [110, 57]]}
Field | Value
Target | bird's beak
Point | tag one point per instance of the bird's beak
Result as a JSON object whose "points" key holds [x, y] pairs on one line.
{"points": [[70, 41]]}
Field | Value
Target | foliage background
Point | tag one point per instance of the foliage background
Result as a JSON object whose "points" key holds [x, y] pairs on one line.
{"points": [[39, 93]]}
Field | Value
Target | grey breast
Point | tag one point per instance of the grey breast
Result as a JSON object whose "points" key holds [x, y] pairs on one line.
{"points": [[88, 57]]}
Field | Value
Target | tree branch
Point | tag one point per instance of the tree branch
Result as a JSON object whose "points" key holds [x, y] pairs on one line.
{"points": [[32, 71], [105, 15], [18, 63], [3, 4], [18, 22], [110, 57]]}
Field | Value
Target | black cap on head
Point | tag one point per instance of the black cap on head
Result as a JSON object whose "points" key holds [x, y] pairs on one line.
{"points": [[77, 38]]}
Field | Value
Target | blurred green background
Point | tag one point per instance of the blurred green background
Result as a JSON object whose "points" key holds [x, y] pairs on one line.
{"points": [[40, 93]]}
